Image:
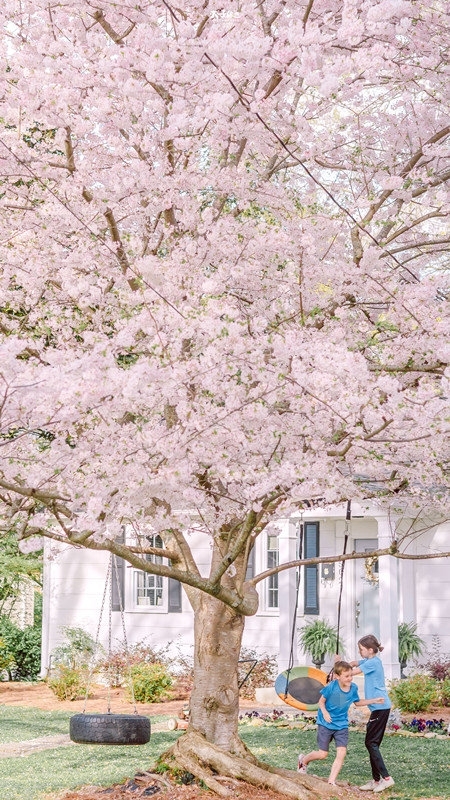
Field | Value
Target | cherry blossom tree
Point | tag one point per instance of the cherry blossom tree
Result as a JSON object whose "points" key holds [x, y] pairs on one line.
{"points": [[223, 259]]}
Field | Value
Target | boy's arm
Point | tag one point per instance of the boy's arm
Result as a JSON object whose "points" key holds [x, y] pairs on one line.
{"points": [[326, 714], [369, 702]]}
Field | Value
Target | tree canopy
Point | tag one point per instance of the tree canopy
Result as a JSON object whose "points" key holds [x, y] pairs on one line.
{"points": [[224, 259], [224, 281]]}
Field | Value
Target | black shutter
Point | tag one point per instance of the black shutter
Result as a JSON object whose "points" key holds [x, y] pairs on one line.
{"points": [[174, 600], [312, 572], [118, 584]]}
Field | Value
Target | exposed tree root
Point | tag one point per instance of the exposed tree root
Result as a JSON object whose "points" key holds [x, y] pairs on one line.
{"points": [[212, 765]]}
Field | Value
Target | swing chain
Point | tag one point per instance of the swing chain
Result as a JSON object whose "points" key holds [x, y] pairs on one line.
{"points": [[111, 574], [97, 638], [122, 618]]}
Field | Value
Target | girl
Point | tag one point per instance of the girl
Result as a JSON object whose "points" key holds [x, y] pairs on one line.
{"points": [[374, 684]]}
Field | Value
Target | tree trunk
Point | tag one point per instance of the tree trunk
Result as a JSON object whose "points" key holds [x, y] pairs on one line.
{"points": [[211, 749], [214, 703]]}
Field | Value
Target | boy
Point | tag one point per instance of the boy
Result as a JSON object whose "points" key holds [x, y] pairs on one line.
{"points": [[332, 719]]}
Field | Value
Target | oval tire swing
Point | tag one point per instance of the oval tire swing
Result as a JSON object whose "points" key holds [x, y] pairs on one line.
{"points": [[300, 687], [109, 729]]}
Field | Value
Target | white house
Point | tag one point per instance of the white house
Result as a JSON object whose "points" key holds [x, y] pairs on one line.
{"points": [[375, 597]]}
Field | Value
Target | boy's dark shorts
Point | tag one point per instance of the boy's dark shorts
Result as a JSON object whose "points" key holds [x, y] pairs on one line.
{"points": [[325, 736]]}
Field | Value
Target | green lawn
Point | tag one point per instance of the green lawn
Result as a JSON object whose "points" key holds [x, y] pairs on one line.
{"points": [[420, 767], [20, 724], [29, 777]]}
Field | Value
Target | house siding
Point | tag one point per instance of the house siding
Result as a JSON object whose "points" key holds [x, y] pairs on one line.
{"points": [[74, 581]]}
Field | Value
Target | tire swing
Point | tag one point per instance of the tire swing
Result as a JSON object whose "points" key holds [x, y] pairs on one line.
{"points": [[109, 728], [300, 687]]}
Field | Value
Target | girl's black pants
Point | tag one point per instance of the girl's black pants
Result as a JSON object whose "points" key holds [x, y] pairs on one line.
{"points": [[376, 727]]}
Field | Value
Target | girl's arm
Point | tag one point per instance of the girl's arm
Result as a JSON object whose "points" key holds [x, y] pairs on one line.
{"points": [[355, 668], [369, 702]]}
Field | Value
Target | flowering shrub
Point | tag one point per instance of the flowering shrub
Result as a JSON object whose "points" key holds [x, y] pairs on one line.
{"points": [[438, 664], [276, 715], [425, 725], [118, 663]]}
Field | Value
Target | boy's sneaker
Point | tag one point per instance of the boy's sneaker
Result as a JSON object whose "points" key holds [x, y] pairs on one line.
{"points": [[369, 786], [301, 767], [385, 783]]}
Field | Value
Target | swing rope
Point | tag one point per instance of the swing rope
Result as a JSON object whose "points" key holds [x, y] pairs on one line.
{"points": [[294, 617], [348, 517]]}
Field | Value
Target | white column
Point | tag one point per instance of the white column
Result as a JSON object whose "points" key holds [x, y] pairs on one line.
{"points": [[47, 607], [389, 603], [287, 590]]}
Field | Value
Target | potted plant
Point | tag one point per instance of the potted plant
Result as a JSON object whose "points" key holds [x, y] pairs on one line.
{"points": [[409, 644], [319, 639]]}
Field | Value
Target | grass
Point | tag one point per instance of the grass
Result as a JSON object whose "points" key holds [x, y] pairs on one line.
{"points": [[421, 767], [46, 771], [21, 724]]}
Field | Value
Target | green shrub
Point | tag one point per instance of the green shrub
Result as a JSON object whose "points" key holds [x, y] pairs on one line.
{"points": [[444, 692], [6, 659], [414, 694], [22, 650], [150, 683], [76, 651], [69, 683]]}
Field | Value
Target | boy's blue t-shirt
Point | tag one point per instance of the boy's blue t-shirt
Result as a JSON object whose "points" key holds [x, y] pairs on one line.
{"points": [[374, 681], [337, 703]]}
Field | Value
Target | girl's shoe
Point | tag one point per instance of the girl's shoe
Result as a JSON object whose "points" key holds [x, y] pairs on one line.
{"points": [[370, 786], [385, 783]]}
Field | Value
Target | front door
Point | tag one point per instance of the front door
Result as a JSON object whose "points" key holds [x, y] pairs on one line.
{"points": [[367, 608]]}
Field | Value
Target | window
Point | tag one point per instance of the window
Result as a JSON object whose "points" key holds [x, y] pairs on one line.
{"points": [[154, 591], [149, 588], [272, 561], [311, 546]]}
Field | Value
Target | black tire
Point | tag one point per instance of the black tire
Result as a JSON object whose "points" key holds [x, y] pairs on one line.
{"points": [[109, 729]]}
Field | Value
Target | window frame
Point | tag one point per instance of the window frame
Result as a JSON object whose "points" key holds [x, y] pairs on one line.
{"points": [[272, 583], [169, 605]]}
